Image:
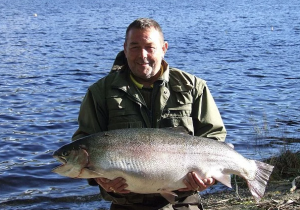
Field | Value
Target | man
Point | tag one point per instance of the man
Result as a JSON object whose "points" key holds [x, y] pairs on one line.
{"points": [[142, 91]]}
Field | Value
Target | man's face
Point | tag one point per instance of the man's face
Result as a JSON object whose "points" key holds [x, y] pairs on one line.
{"points": [[144, 50]]}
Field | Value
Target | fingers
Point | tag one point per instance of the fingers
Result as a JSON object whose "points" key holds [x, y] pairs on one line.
{"points": [[194, 183], [117, 185], [209, 181]]}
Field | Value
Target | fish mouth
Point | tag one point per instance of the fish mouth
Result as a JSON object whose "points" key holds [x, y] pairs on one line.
{"points": [[60, 159], [57, 155]]}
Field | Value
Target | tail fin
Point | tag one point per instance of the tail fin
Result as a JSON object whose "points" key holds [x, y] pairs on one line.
{"points": [[258, 185]]}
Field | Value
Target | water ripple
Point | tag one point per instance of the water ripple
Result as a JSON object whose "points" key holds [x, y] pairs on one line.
{"points": [[51, 51]]}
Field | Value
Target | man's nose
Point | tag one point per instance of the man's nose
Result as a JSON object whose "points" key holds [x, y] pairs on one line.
{"points": [[143, 53]]}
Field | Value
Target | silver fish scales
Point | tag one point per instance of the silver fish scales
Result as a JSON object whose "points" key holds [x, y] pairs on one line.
{"points": [[157, 160]]}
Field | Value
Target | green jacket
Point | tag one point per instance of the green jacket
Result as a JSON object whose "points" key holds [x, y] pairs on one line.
{"points": [[179, 99]]}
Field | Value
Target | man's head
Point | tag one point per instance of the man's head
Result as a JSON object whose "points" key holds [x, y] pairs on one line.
{"points": [[144, 23], [145, 48]]}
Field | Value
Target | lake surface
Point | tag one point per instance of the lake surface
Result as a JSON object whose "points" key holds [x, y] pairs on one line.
{"points": [[51, 51]]}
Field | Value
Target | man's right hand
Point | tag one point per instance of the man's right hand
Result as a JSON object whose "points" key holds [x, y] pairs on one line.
{"points": [[117, 185]]}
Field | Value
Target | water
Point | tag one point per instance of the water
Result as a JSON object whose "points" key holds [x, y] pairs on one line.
{"points": [[51, 51]]}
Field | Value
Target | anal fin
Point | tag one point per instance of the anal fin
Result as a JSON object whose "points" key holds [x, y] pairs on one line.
{"points": [[224, 179], [168, 195]]}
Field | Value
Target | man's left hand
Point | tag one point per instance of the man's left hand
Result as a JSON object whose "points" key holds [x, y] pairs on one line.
{"points": [[194, 183]]}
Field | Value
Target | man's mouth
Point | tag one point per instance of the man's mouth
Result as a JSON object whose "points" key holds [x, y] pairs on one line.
{"points": [[143, 64]]}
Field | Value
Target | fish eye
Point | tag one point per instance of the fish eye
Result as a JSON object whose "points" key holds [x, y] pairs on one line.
{"points": [[65, 153]]}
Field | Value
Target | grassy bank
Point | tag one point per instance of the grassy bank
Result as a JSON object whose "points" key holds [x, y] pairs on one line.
{"points": [[278, 195]]}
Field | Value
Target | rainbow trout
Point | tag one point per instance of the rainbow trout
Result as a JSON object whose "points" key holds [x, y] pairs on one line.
{"points": [[157, 160]]}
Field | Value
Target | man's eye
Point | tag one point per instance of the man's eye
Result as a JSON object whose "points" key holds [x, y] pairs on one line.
{"points": [[151, 49], [134, 47]]}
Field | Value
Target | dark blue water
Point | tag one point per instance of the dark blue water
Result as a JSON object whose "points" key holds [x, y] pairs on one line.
{"points": [[51, 51]]}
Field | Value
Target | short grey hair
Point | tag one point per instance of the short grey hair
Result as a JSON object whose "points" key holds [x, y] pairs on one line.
{"points": [[144, 23]]}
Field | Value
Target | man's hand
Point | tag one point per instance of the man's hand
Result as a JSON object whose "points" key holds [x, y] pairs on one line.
{"points": [[194, 183], [117, 185]]}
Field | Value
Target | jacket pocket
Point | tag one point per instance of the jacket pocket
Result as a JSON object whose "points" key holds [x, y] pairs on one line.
{"points": [[178, 111], [178, 106], [123, 113], [116, 106]]}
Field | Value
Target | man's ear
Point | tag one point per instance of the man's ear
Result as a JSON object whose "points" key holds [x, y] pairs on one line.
{"points": [[165, 47]]}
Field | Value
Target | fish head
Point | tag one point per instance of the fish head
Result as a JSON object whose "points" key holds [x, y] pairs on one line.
{"points": [[73, 158]]}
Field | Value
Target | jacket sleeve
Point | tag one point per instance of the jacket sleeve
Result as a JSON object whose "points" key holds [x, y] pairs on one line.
{"points": [[87, 123], [92, 114], [89, 120], [206, 117]]}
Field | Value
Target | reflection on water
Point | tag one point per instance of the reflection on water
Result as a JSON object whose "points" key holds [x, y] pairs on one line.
{"points": [[51, 51]]}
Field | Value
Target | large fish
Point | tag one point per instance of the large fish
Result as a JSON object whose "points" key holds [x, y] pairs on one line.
{"points": [[157, 160]]}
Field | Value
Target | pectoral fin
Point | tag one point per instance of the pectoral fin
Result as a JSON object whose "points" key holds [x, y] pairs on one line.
{"points": [[88, 174]]}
